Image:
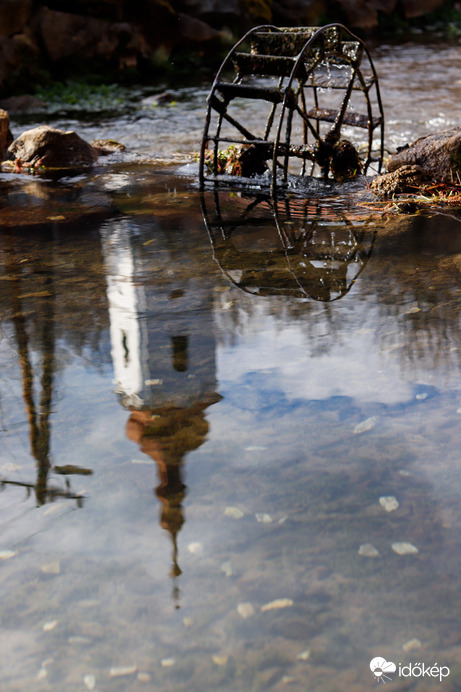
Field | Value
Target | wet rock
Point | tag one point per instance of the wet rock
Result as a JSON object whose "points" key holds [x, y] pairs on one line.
{"points": [[407, 178], [6, 137], [107, 146], [14, 16], [52, 148], [439, 155], [22, 104]]}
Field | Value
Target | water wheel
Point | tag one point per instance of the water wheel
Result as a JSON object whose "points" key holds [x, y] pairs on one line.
{"points": [[284, 245], [319, 109]]}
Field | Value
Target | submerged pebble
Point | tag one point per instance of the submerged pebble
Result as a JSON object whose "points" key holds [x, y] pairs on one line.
{"points": [[120, 671], [412, 645], [7, 554], [389, 503], [48, 626], [220, 660], [89, 681], [263, 518], [278, 603], [402, 548], [304, 655], [226, 567], [167, 662], [233, 512], [144, 677], [368, 550], [195, 548], [245, 610], [365, 425]]}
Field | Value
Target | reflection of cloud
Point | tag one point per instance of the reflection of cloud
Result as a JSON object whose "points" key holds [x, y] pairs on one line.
{"points": [[352, 366]]}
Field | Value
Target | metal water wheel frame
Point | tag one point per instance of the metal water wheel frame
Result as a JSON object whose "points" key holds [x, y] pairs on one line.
{"points": [[297, 57]]}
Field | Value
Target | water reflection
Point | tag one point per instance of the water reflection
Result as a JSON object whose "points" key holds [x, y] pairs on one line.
{"points": [[163, 349], [299, 248]]}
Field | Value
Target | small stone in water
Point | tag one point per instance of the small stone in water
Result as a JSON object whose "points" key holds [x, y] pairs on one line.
{"points": [[404, 548], [7, 554], [304, 655], [195, 548], [120, 671], [412, 645], [226, 567], [48, 626], [51, 568], [233, 512], [144, 677], [421, 396], [89, 681], [278, 603], [245, 610], [389, 503], [220, 660], [368, 550], [167, 662], [263, 518], [365, 425]]}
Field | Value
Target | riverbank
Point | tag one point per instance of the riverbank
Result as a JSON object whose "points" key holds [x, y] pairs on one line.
{"points": [[113, 39]]}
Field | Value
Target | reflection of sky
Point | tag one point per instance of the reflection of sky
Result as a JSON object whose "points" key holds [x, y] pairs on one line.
{"points": [[353, 365]]}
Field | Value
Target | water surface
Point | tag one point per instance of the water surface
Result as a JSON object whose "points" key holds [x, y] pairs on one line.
{"points": [[204, 401]]}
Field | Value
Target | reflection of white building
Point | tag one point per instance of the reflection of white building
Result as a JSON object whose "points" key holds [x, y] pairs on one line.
{"points": [[161, 325]]}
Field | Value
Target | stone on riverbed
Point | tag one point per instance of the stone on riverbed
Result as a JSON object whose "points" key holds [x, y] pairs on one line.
{"points": [[52, 148], [439, 155], [404, 179]]}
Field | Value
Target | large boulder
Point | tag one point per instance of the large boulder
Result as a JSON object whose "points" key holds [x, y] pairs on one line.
{"points": [[52, 148], [439, 155]]}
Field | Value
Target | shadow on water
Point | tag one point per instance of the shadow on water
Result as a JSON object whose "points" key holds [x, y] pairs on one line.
{"points": [[300, 361]]}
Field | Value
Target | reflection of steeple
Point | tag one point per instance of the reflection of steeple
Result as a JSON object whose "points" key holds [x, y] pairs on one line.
{"points": [[163, 351], [167, 435]]}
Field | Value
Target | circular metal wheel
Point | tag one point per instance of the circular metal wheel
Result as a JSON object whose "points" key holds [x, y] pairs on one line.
{"points": [[315, 91]]}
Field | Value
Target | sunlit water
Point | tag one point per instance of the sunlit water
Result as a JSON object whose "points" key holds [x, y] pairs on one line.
{"points": [[220, 421]]}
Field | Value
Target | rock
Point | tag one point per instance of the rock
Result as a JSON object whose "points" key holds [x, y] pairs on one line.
{"points": [[438, 155], [107, 146], [52, 148], [6, 137], [22, 104], [404, 179], [14, 16]]}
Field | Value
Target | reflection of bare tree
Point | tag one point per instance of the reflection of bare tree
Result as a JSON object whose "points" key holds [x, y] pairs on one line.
{"points": [[38, 413]]}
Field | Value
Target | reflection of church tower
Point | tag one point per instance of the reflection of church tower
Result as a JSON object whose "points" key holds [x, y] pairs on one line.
{"points": [[163, 351]]}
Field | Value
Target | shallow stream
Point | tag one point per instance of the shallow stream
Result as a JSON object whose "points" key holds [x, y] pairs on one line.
{"points": [[230, 429]]}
